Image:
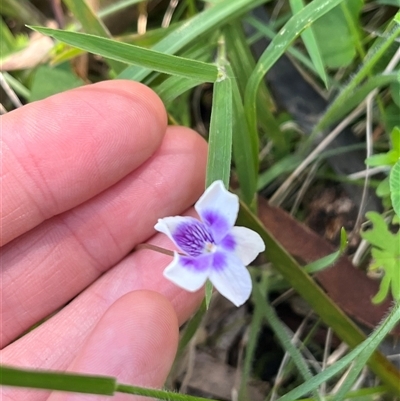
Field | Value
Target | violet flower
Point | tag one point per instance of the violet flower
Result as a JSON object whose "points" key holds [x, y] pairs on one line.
{"points": [[213, 248]]}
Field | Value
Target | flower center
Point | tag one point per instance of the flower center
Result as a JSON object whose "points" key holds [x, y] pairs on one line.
{"points": [[194, 238]]}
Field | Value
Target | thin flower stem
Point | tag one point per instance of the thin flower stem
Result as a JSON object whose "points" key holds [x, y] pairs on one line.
{"points": [[154, 248]]}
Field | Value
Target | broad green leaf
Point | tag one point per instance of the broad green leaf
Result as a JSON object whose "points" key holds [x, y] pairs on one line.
{"points": [[311, 43], [334, 36], [383, 188], [48, 81], [386, 255], [391, 157], [375, 53], [395, 188], [131, 54]]}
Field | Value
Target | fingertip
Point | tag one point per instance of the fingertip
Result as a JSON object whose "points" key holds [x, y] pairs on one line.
{"points": [[85, 140]]}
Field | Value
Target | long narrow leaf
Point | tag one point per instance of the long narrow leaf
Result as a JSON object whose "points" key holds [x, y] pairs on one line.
{"points": [[57, 381], [88, 19], [131, 54], [91, 24], [220, 137], [310, 43], [292, 29]]}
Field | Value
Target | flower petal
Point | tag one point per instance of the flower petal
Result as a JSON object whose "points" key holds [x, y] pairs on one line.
{"points": [[247, 243], [188, 234], [231, 278], [188, 273], [218, 208]]}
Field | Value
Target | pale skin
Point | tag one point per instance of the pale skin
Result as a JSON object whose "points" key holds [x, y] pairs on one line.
{"points": [[85, 176]]}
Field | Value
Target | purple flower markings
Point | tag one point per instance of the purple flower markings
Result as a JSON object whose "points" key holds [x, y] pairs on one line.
{"points": [[213, 248]]}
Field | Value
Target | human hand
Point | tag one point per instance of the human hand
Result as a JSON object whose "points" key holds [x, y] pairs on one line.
{"points": [[85, 176]]}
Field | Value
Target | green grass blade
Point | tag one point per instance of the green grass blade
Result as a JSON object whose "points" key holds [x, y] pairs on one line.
{"points": [[220, 137], [131, 54], [116, 6], [251, 346], [175, 86], [268, 32], [81, 383], [311, 43], [282, 335], [292, 29], [91, 24], [284, 165], [340, 109], [57, 381], [244, 148], [363, 352], [319, 301], [88, 19], [22, 10], [243, 64], [202, 23], [8, 42]]}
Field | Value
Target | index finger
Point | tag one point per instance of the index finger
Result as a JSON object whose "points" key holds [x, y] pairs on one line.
{"points": [[61, 151]]}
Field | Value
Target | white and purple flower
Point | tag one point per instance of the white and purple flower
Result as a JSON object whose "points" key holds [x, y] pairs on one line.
{"points": [[213, 248]]}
